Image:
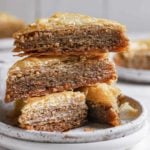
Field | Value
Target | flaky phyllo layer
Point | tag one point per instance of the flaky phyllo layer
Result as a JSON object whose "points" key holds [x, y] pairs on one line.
{"points": [[70, 34]]}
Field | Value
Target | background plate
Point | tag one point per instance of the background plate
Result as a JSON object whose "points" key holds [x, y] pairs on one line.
{"points": [[134, 75]]}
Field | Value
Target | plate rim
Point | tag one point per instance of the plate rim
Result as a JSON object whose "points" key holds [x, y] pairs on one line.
{"points": [[126, 142], [138, 75]]}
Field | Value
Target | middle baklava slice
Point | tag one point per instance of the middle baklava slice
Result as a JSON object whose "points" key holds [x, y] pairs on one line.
{"points": [[38, 76]]}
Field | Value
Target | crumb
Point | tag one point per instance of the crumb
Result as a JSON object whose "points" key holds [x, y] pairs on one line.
{"points": [[89, 129], [127, 111]]}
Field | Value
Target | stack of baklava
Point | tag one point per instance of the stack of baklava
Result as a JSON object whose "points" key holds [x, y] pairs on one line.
{"points": [[66, 77]]}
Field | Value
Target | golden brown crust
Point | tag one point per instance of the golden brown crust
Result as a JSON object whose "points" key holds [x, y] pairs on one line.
{"points": [[40, 61]]}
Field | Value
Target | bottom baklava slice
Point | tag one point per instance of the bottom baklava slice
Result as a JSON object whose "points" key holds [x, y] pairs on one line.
{"points": [[54, 112], [102, 101]]}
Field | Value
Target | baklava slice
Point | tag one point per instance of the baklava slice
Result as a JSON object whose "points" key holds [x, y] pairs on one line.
{"points": [[71, 34], [137, 56], [53, 112], [38, 76], [102, 101], [9, 24]]}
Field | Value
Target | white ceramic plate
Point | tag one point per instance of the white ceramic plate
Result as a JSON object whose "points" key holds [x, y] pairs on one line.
{"points": [[6, 43], [97, 132], [123, 143], [134, 75]]}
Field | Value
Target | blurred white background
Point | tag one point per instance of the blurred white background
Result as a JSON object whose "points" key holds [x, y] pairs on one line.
{"points": [[135, 14]]}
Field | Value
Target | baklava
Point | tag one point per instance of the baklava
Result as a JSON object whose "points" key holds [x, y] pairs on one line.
{"points": [[137, 56], [64, 78], [70, 34], [102, 101], [9, 25], [53, 112]]}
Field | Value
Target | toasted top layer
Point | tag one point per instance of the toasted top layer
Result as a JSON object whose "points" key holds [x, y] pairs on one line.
{"points": [[58, 20], [54, 99], [51, 100], [30, 62]]}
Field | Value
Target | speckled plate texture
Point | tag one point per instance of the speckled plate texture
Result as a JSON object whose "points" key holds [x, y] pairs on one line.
{"points": [[86, 134], [134, 75], [123, 143]]}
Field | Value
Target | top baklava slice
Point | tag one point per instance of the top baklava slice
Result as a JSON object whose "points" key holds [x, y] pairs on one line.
{"points": [[70, 34]]}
